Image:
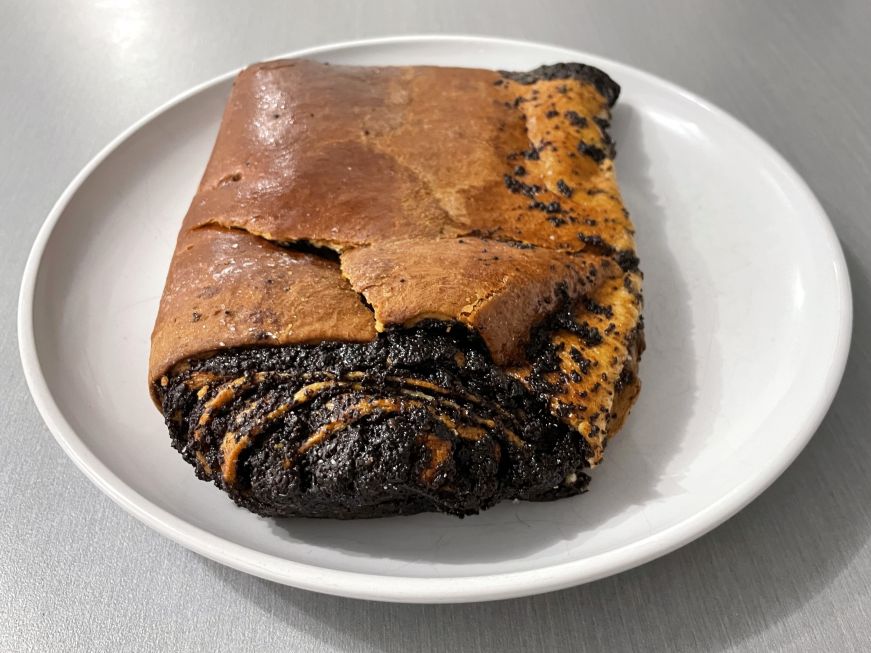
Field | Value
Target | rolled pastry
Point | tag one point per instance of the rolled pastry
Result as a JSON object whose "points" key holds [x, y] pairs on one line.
{"points": [[402, 289]]}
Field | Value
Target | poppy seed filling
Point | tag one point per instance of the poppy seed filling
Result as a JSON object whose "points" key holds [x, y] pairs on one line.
{"points": [[355, 430]]}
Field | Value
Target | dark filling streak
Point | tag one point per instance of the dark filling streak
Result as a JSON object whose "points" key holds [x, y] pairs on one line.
{"points": [[373, 465], [576, 119], [596, 244], [545, 353], [595, 152], [306, 247], [546, 207], [603, 124], [627, 260], [517, 186], [607, 87], [302, 246], [597, 309], [564, 188]]}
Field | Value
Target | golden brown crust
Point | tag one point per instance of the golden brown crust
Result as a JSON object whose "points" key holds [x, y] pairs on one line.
{"points": [[407, 281], [230, 289], [345, 156], [461, 194]]}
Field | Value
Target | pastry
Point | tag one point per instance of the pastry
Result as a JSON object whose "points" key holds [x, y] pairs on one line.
{"points": [[402, 289]]}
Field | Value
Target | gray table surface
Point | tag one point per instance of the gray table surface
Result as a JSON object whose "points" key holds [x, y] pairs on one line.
{"points": [[790, 572]]}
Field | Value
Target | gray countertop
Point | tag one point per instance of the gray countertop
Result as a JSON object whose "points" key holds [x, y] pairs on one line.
{"points": [[790, 572]]}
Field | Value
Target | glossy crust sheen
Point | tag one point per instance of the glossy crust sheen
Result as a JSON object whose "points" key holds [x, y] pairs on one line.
{"points": [[402, 289]]}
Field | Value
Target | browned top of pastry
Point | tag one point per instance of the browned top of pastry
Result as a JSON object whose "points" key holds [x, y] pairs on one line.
{"points": [[227, 289], [491, 286], [461, 194]]}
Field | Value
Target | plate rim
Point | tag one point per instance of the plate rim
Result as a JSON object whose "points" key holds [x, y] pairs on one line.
{"points": [[443, 589]]}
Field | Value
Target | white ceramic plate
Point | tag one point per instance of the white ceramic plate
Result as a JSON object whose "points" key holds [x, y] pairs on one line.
{"points": [[748, 324]]}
